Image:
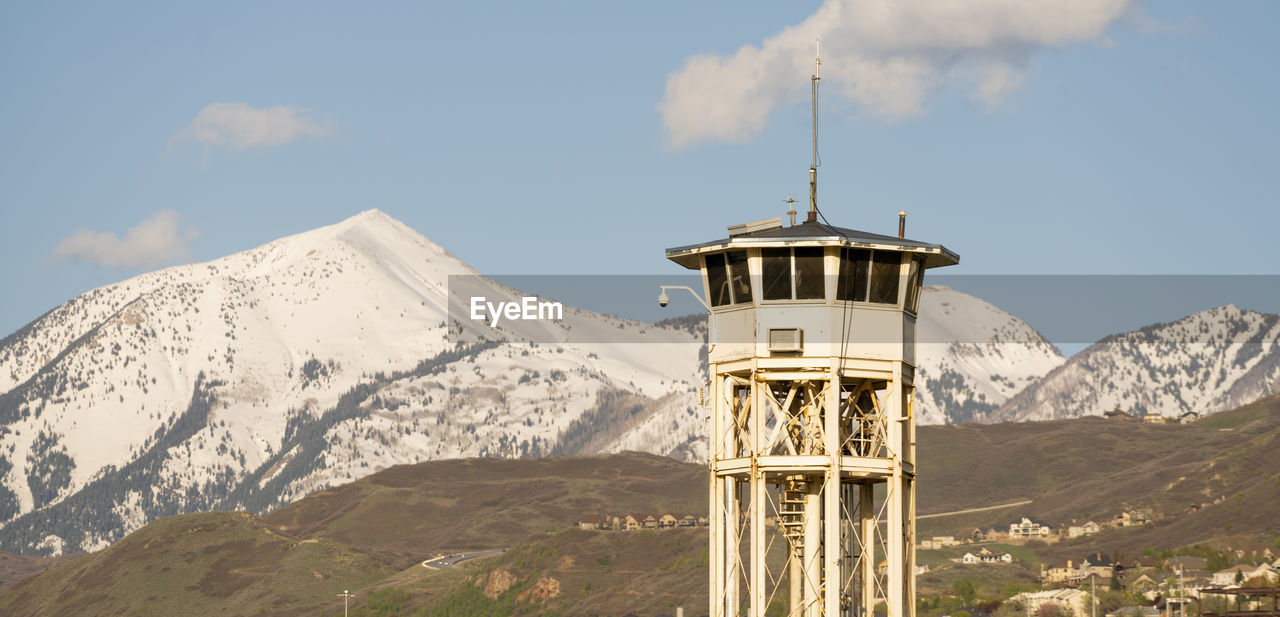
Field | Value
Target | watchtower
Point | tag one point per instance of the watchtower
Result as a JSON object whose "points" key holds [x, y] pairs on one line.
{"points": [[812, 471]]}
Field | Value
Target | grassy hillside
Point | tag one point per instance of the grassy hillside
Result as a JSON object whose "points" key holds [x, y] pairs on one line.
{"points": [[1094, 468], [410, 511], [17, 568], [371, 535], [197, 564]]}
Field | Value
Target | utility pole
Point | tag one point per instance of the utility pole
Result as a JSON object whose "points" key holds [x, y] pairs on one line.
{"points": [[345, 595], [1093, 595]]}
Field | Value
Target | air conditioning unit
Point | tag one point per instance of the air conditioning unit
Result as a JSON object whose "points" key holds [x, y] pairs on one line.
{"points": [[785, 340]]}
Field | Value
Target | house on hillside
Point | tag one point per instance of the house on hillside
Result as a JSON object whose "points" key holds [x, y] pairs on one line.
{"points": [[1059, 575], [1117, 414], [1265, 573], [1141, 585], [666, 521], [1028, 529], [986, 556], [1132, 518], [592, 523], [1087, 529], [1097, 564], [1232, 575], [1187, 417], [1153, 418], [650, 522], [937, 542], [688, 520], [631, 523], [1073, 601]]}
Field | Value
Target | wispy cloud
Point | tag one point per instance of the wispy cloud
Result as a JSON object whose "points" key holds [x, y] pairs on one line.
{"points": [[884, 56], [158, 240], [238, 126]]}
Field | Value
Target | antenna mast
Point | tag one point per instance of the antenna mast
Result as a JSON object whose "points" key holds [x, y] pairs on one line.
{"points": [[813, 168]]}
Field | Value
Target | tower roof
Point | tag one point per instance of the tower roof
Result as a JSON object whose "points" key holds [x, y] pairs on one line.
{"points": [[815, 234]]}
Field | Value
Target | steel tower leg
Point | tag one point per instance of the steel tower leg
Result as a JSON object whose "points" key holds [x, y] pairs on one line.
{"points": [[867, 517]]}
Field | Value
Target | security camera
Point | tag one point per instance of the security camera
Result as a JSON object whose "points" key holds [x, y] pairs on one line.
{"points": [[663, 299]]}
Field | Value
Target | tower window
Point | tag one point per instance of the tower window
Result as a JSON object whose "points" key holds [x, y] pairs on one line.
{"points": [[885, 268], [793, 274], [852, 286], [913, 285], [775, 266], [869, 276], [728, 280], [809, 282]]}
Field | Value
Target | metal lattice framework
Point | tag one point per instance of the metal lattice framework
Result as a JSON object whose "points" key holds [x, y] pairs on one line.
{"points": [[812, 490]]}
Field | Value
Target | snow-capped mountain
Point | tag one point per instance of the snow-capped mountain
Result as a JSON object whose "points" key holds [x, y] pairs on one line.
{"points": [[254, 379], [973, 356], [1208, 361]]}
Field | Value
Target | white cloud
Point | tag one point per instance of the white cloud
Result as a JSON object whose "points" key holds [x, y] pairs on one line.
{"points": [[885, 56], [158, 240], [239, 126]]}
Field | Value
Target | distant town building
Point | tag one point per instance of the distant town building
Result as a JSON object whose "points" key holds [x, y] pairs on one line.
{"points": [[1227, 578], [1188, 417], [1059, 575], [1141, 585], [1073, 601], [1098, 565], [634, 522], [1028, 529], [1154, 418], [986, 556], [1087, 529], [591, 522], [1268, 572], [937, 542], [1132, 518]]}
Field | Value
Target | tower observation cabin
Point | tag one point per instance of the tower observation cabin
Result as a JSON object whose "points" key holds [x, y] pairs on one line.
{"points": [[812, 455]]}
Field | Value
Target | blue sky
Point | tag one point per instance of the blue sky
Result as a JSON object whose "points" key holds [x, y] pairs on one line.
{"points": [[530, 138]]}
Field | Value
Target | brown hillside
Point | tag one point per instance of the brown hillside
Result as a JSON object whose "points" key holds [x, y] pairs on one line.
{"points": [[410, 511], [369, 536], [1094, 468]]}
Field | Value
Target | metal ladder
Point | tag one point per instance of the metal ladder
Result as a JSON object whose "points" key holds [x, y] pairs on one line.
{"points": [[791, 514]]}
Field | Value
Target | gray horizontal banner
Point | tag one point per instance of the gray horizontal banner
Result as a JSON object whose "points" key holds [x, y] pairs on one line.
{"points": [[1067, 310]]}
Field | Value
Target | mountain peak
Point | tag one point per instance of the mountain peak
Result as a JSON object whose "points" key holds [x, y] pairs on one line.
{"points": [[372, 216], [372, 220]]}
